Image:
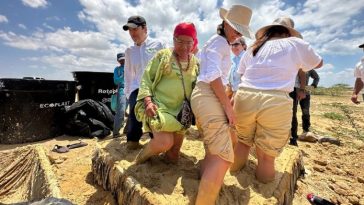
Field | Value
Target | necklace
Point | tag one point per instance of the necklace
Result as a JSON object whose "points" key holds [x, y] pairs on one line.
{"points": [[179, 63]]}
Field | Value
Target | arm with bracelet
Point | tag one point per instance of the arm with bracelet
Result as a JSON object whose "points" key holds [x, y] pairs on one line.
{"points": [[150, 76]]}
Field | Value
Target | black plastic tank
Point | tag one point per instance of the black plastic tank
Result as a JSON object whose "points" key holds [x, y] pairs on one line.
{"points": [[30, 108], [98, 86]]}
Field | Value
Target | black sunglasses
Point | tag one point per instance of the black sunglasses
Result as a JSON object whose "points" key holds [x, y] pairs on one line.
{"points": [[235, 44]]}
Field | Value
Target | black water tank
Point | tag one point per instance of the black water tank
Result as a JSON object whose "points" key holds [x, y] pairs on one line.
{"points": [[30, 108], [98, 86]]}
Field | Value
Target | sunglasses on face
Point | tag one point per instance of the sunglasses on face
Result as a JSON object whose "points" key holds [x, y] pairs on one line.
{"points": [[235, 44], [182, 42]]}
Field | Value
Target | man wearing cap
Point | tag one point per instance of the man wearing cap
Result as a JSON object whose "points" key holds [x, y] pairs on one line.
{"points": [[121, 101], [359, 75], [137, 57]]}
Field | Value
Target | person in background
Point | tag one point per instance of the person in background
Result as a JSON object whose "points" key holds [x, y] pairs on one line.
{"points": [[262, 103], [302, 95], [211, 106], [359, 75], [137, 57], [121, 100], [238, 47], [169, 76]]}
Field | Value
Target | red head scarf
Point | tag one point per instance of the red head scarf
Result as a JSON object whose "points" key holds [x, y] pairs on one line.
{"points": [[187, 29]]}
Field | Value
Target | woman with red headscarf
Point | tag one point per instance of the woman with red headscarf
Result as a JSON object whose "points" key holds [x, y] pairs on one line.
{"points": [[168, 78]]}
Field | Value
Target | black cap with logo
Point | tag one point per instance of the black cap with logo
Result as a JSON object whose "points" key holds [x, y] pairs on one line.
{"points": [[134, 21]]}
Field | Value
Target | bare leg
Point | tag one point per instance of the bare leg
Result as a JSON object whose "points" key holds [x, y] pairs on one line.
{"points": [[161, 142], [173, 153], [212, 179], [241, 154], [265, 172]]}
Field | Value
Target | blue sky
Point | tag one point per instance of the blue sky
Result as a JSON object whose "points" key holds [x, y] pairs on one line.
{"points": [[53, 38]]}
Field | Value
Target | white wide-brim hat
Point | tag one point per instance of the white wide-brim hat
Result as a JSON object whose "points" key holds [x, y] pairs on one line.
{"points": [[282, 21], [238, 17]]}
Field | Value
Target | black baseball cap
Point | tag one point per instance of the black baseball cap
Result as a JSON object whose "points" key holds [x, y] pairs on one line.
{"points": [[361, 46], [120, 56], [134, 21]]}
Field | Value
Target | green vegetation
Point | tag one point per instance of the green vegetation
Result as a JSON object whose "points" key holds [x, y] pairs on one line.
{"points": [[334, 116], [335, 90], [350, 117]]}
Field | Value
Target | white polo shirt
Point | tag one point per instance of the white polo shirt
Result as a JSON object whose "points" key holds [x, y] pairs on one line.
{"points": [[359, 70], [215, 60], [136, 60], [276, 64]]}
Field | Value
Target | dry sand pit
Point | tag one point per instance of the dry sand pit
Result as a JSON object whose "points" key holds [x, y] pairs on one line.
{"points": [[157, 182]]}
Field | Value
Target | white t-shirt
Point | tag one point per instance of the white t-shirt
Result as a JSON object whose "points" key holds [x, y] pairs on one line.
{"points": [[359, 70], [276, 64], [136, 59], [215, 60]]}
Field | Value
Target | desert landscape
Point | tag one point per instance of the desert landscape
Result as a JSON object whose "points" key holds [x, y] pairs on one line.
{"points": [[331, 171]]}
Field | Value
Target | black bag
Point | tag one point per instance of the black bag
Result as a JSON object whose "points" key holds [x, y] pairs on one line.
{"points": [[185, 116], [87, 118]]}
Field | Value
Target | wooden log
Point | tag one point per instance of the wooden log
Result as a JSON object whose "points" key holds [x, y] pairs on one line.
{"points": [[156, 182]]}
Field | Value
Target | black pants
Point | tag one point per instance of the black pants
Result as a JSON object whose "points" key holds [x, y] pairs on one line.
{"points": [[134, 131], [305, 108]]}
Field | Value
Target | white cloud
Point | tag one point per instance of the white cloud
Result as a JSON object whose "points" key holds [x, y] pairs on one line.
{"points": [[53, 18], [21, 41], [331, 29], [329, 77], [328, 26], [48, 26], [22, 26], [3, 19], [35, 3], [357, 31]]}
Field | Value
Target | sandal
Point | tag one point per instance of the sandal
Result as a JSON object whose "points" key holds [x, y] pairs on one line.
{"points": [[60, 149], [76, 145]]}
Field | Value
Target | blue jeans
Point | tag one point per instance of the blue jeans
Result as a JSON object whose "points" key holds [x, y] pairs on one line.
{"points": [[120, 112], [134, 132]]}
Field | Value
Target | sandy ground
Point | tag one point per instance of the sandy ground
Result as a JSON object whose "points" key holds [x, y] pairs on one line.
{"points": [[333, 172]]}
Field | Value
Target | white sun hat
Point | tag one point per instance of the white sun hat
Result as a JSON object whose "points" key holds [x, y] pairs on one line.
{"points": [[238, 17]]}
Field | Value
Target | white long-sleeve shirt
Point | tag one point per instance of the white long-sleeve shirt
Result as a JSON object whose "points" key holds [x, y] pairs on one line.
{"points": [[136, 59], [215, 60]]}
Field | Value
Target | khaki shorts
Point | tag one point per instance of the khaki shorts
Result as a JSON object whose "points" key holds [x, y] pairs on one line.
{"points": [[212, 121], [263, 118]]}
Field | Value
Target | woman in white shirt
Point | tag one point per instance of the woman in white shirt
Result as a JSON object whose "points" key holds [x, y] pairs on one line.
{"points": [[262, 103], [212, 108]]}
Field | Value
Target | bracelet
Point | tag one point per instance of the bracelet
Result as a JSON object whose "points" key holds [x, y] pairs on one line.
{"points": [[146, 104]]}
